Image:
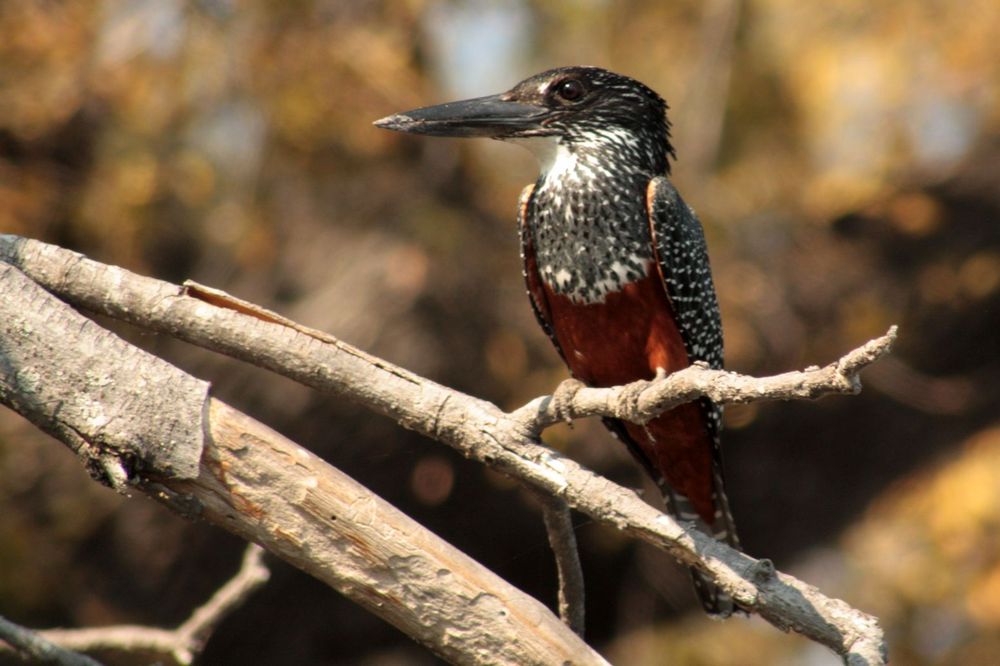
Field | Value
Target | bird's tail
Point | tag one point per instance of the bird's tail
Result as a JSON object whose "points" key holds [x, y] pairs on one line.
{"points": [[723, 528]]}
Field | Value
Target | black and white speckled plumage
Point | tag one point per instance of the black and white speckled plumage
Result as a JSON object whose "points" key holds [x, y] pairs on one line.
{"points": [[683, 257], [588, 213], [589, 242]]}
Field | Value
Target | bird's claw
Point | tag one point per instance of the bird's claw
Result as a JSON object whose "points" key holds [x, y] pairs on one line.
{"points": [[628, 399], [562, 399]]}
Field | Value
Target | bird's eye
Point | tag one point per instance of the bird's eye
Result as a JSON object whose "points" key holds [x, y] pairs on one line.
{"points": [[570, 90]]}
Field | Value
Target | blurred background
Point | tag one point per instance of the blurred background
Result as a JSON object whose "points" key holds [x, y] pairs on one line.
{"points": [[843, 156]]}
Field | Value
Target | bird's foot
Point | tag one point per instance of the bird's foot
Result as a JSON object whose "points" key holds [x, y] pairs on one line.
{"points": [[628, 400], [562, 399]]}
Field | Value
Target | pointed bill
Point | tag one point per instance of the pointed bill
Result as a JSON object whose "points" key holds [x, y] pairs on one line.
{"points": [[491, 116]]}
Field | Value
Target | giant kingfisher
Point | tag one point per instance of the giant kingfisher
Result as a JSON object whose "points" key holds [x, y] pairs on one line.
{"points": [[615, 263]]}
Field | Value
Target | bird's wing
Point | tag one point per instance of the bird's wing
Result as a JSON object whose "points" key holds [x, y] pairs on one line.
{"points": [[682, 259]]}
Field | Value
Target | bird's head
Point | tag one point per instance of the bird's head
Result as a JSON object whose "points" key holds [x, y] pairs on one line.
{"points": [[576, 109]]}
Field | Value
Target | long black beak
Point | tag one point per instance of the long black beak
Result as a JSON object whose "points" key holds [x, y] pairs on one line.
{"points": [[490, 116]]}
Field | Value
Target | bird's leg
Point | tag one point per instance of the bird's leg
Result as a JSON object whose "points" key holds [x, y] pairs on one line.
{"points": [[562, 398], [628, 399]]}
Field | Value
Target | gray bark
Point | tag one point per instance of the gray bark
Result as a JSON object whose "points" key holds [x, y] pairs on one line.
{"points": [[128, 411], [263, 487]]}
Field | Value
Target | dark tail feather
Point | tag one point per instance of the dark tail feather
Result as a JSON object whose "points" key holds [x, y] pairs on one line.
{"points": [[723, 528], [715, 602]]}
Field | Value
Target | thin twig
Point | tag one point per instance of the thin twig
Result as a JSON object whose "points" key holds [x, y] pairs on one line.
{"points": [[32, 644], [183, 644], [562, 540], [194, 632]]}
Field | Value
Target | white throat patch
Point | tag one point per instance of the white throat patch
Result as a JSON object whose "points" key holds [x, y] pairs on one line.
{"points": [[552, 154]]}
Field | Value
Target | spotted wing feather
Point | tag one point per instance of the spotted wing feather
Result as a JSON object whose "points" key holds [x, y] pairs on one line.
{"points": [[682, 258]]}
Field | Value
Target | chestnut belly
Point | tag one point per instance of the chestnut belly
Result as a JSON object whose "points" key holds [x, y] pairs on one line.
{"points": [[624, 338], [629, 336]]}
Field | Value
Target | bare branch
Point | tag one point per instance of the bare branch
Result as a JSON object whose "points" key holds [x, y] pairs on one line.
{"points": [[194, 633], [562, 540], [35, 645], [185, 642], [476, 428], [149, 413], [641, 401], [268, 490]]}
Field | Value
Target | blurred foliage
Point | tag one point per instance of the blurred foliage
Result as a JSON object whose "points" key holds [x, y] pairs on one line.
{"points": [[929, 553], [845, 161], [924, 558]]}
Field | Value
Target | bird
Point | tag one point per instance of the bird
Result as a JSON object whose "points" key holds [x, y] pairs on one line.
{"points": [[615, 263]]}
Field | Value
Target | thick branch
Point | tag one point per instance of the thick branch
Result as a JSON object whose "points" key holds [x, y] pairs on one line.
{"points": [[268, 490], [474, 427], [147, 413]]}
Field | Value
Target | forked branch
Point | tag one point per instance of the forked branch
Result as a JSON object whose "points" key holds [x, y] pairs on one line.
{"points": [[182, 644]]}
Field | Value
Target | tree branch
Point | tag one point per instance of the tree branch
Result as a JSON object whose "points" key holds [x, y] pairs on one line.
{"points": [[185, 642], [476, 428], [37, 646], [194, 632], [642, 401], [263, 487], [562, 540]]}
